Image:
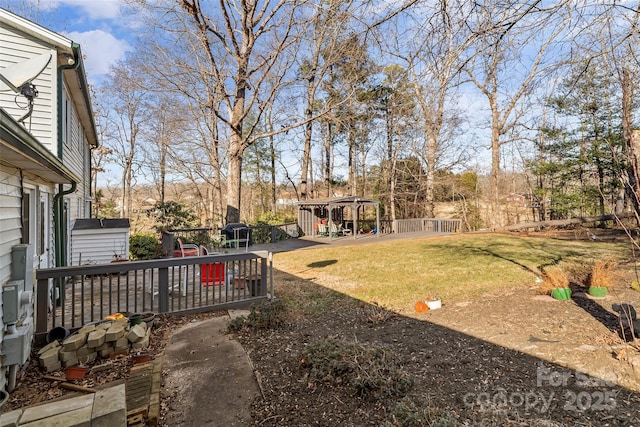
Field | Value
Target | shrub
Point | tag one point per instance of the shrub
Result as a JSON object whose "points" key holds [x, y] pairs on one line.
{"points": [[143, 246], [554, 278], [603, 273], [407, 413], [371, 370], [267, 315]]}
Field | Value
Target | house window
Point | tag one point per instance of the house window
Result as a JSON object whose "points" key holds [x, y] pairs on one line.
{"points": [[43, 229], [67, 121], [28, 217]]}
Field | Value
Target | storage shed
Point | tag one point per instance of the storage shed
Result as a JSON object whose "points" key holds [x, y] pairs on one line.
{"points": [[99, 241]]}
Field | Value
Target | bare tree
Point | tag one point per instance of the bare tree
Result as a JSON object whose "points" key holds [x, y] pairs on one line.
{"points": [[329, 25], [124, 114], [431, 49], [501, 71], [244, 42]]}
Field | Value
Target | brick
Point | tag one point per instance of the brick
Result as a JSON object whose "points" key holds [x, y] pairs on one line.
{"points": [[105, 325], [54, 344], [105, 345], [121, 343], [53, 366], [66, 355], [105, 352], [87, 358], [115, 332], [142, 344], [102, 367], [136, 333], [96, 338], [83, 351], [49, 357], [87, 329], [69, 362], [74, 342]]}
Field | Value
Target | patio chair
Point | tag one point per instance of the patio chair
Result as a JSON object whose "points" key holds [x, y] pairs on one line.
{"points": [[213, 274], [337, 230], [185, 250], [323, 230]]}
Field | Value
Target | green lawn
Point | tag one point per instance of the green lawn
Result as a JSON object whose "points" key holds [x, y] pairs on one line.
{"points": [[398, 273]]}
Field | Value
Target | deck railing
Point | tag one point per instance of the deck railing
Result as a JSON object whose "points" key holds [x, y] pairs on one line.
{"points": [[259, 234], [432, 225], [74, 296]]}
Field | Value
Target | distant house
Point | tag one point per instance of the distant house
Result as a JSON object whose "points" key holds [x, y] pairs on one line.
{"points": [[287, 198], [517, 200], [45, 167]]}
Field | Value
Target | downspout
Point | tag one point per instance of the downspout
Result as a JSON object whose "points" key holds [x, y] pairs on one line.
{"points": [[58, 199]]}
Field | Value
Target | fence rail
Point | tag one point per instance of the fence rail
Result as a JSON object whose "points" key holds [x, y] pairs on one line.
{"points": [[432, 225], [259, 233], [74, 296]]}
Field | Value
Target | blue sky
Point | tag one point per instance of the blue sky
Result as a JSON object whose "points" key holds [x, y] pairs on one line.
{"points": [[99, 26]]}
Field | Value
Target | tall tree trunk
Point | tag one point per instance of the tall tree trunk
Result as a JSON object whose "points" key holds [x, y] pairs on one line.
{"points": [[308, 130], [272, 157], [353, 170], [631, 142], [494, 219], [328, 160], [432, 146]]}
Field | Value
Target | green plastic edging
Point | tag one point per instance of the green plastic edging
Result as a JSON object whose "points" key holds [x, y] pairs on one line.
{"points": [[598, 291], [561, 293]]}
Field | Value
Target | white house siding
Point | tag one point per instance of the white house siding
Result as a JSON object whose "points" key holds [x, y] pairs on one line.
{"points": [[11, 189], [10, 227], [72, 138], [17, 46], [75, 154]]}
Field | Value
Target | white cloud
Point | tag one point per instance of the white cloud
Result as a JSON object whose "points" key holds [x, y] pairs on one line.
{"points": [[94, 9], [101, 49]]}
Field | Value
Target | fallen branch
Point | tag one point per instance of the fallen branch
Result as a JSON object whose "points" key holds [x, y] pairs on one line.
{"points": [[562, 222], [74, 387]]}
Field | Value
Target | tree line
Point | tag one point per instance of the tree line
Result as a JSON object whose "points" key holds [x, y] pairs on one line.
{"points": [[392, 100]]}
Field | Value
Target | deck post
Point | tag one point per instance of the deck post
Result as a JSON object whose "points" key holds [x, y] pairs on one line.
{"points": [[163, 290]]}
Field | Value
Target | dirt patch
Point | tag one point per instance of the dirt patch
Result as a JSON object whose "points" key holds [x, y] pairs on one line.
{"points": [[517, 358]]}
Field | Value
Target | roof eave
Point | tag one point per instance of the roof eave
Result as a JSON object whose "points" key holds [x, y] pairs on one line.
{"points": [[21, 150]]}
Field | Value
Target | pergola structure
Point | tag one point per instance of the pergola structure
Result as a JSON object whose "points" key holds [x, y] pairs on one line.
{"points": [[313, 212]]}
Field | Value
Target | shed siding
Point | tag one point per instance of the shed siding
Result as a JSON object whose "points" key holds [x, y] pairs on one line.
{"points": [[98, 246]]}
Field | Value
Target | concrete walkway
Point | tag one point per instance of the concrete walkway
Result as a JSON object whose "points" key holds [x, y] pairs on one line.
{"points": [[208, 375]]}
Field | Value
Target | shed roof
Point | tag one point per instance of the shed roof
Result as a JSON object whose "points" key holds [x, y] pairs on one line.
{"points": [[340, 201], [99, 223]]}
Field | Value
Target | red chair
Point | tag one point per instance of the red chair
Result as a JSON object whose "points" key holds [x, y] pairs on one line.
{"points": [[214, 274]]}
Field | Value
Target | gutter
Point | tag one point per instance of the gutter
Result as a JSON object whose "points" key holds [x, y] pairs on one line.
{"points": [[58, 199]]}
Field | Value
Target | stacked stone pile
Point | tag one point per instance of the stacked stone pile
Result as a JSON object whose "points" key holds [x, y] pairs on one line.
{"points": [[102, 340]]}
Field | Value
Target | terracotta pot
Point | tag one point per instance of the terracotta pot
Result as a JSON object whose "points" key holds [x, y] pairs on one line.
{"points": [[140, 357], [76, 373]]}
